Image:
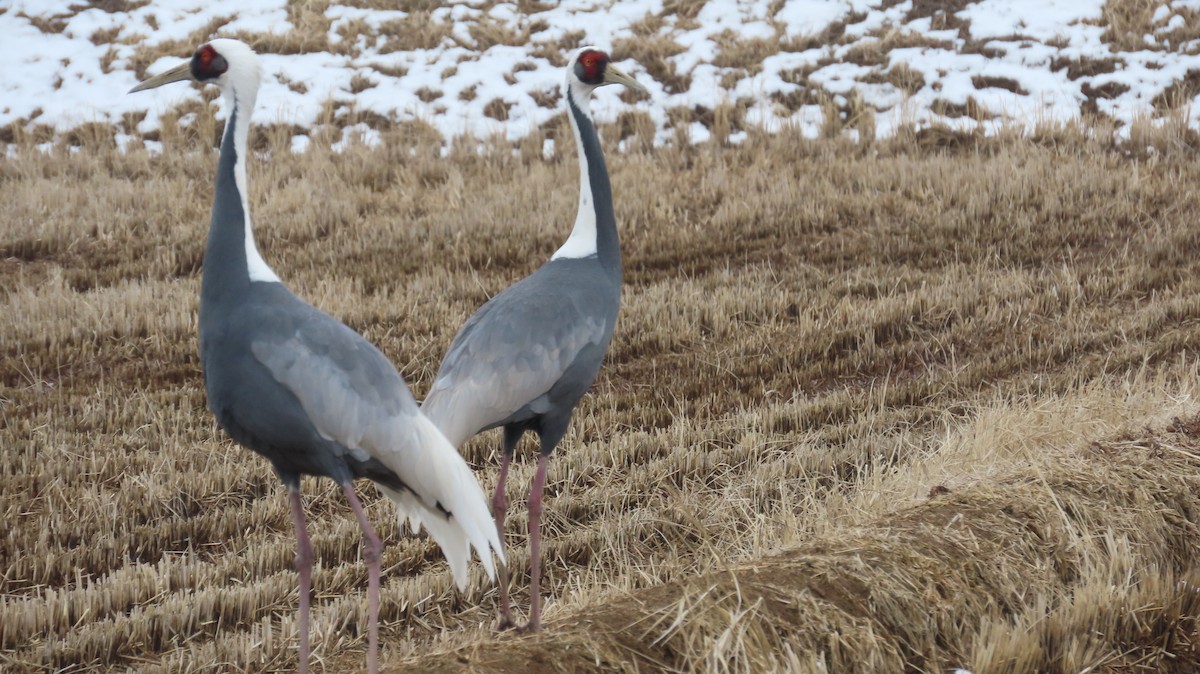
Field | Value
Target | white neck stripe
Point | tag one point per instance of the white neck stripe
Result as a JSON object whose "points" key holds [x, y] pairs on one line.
{"points": [[256, 266], [582, 242], [240, 88]]}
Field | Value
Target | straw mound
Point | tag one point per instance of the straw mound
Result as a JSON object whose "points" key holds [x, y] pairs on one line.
{"points": [[1082, 561]]}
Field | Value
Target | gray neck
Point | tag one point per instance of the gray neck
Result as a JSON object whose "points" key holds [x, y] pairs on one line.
{"points": [[232, 261], [226, 275]]}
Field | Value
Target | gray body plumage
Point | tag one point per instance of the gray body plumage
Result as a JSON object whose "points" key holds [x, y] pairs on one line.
{"points": [[296, 383], [527, 356]]}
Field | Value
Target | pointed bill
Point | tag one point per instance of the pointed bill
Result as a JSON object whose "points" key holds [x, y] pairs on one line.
{"points": [[179, 73], [614, 75]]}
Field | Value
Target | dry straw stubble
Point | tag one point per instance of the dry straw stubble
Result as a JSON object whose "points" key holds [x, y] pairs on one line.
{"points": [[802, 319]]}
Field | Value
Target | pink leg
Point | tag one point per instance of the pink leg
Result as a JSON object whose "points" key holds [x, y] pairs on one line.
{"points": [[304, 562], [535, 544], [499, 509], [371, 555]]}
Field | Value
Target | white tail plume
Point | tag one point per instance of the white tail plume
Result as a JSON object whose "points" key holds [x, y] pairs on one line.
{"points": [[437, 475]]}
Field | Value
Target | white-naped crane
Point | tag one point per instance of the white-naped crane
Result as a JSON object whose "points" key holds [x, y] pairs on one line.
{"points": [[527, 356], [308, 393]]}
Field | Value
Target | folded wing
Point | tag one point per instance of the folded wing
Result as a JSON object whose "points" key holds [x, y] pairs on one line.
{"points": [[355, 398], [507, 358]]}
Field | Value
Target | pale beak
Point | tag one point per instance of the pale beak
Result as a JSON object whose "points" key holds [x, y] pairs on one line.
{"points": [[614, 75], [179, 73]]}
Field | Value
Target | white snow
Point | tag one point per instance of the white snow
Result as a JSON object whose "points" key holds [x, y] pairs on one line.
{"points": [[810, 17], [1039, 19], [57, 75]]}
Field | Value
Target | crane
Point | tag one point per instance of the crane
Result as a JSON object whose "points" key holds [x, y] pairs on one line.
{"points": [[524, 359], [309, 394]]}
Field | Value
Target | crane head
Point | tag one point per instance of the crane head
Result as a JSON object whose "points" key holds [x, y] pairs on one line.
{"points": [[591, 66], [210, 63]]}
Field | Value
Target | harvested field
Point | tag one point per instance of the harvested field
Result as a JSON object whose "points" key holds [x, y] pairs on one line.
{"points": [[920, 403]]}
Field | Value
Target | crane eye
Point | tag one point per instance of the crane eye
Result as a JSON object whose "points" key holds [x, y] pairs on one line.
{"points": [[208, 63], [589, 68]]}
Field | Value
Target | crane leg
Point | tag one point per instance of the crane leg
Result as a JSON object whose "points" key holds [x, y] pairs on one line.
{"points": [[535, 544], [499, 509], [371, 555], [304, 562]]}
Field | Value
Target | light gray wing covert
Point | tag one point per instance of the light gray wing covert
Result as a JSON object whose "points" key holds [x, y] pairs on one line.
{"points": [[350, 391], [354, 396], [509, 355]]}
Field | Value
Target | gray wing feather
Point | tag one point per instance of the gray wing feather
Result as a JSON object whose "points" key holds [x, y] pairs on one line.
{"points": [[350, 391], [508, 355], [354, 396]]}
